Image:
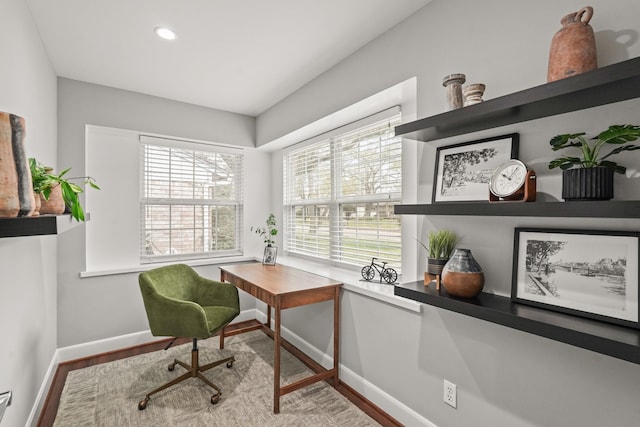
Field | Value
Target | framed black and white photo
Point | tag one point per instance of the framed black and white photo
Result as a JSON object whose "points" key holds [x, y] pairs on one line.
{"points": [[588, 273], [463, 170], [270, 254]]}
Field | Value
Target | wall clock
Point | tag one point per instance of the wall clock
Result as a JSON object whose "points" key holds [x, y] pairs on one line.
{"points": [[512, 181]]}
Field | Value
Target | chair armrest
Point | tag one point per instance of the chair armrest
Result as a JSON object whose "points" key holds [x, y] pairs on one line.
{"points": [[174, 318], [213, 292]]}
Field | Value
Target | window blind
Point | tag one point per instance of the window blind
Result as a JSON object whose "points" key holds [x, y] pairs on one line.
{"points": [[191, 202], [340, 192]]}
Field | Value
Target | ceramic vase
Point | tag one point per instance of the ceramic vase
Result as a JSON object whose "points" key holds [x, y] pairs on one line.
{"points": [[55, 205], [473, 93], [462, 276], [573, 47], [16, 190], [453, 83], [36, 210]]}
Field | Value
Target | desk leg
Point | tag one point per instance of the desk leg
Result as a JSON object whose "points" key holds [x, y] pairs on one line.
{"points": [[336, 335], [276, 360], [268, 316]]}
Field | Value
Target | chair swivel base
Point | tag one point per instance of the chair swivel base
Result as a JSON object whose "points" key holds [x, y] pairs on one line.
{"points": [[194, 371]]}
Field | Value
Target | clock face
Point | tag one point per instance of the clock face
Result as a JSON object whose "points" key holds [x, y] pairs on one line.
{"points": [[508, 178]]}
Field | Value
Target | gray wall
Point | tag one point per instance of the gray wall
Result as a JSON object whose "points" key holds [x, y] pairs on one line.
{"points": [[27, 264], [504, 377], [87, 307]]}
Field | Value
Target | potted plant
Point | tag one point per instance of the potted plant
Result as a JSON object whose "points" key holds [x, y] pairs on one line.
{"points": [[56, 191], [440, 246], [268, 235], [590, 176]]}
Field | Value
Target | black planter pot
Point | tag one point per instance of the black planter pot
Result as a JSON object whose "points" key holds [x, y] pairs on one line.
{"points": [[435, 265], [587, 184]]}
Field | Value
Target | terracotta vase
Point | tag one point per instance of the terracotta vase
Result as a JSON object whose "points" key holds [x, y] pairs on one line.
{"points": [[573, 47], [36, 211], [462, 276], [55, 205], [16, 190]]}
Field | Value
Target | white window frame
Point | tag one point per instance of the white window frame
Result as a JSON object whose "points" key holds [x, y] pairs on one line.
{"points": [[335, 202], [235, 202]]}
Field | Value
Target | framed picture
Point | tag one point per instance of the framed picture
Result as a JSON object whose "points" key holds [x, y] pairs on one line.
{"points": [[587, 273], [463, 170], [270, 254]]}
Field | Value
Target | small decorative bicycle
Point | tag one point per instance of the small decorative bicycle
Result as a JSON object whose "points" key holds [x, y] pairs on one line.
{"points": [[387, 274]]}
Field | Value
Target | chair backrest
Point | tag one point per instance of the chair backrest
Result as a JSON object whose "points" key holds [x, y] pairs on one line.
{"points": [[173, 281], [168, 297], [181, 303]]}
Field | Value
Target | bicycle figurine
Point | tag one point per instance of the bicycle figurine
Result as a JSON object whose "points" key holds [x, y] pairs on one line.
{"points": [[387, 274]]}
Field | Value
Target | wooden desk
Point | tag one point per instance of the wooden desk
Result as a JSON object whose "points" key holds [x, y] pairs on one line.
{"points": [[284, 287]]}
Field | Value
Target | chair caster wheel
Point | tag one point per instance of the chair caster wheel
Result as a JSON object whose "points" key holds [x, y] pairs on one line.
{"points": [[230, 364], [143, 404], [215, 398], [171, 366]]}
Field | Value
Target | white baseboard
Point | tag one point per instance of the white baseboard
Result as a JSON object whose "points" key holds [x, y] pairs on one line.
{"points": [[384, 401], [377, 396], [374, 394], [42, 393], [65, 354], [79, 351], [123, 341]]}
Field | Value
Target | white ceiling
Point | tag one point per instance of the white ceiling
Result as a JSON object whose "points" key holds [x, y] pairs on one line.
{"points": [[236, 55]]}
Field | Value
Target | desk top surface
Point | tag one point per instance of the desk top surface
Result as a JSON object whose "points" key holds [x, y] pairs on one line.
{"points": [[279, 279]]}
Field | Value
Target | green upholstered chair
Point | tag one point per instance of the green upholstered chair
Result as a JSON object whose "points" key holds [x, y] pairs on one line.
{"points": [[182, 304]]}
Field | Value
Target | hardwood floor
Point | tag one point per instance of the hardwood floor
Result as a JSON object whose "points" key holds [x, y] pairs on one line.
{"points": [[50, 407]]}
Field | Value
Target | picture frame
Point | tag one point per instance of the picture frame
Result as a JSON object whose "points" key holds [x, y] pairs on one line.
{"points": [[588, 273], [270, 255], [462, 171]]}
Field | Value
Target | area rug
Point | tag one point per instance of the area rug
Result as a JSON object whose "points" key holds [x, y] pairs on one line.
{"points": [[108, 394]]}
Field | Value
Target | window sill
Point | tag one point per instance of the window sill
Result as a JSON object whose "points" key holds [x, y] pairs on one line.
{"points": [[145, 267], [352, 282], [350, 278]]}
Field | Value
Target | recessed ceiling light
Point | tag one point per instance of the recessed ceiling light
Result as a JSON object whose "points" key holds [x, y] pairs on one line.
{"points": [[165, 33]]}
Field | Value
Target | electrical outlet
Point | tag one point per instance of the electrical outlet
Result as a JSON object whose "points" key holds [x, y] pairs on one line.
{"points": [[450, 394]]}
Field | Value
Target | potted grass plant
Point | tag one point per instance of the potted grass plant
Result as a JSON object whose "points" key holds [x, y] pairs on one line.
{"points": [[590, 175], [439, 247]]}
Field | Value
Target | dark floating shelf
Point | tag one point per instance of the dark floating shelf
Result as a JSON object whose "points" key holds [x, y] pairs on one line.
{"points": [[575, 209], [36, 225], [606, 85], [612, 340]]}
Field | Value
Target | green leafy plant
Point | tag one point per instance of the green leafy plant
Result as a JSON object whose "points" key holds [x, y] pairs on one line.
{"points": [[269, 232], [44, 180], [441, 243], [591, 151]]}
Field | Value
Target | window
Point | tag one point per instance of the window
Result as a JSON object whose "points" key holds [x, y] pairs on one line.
{"points": [[191, 204], [339, 194]]}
